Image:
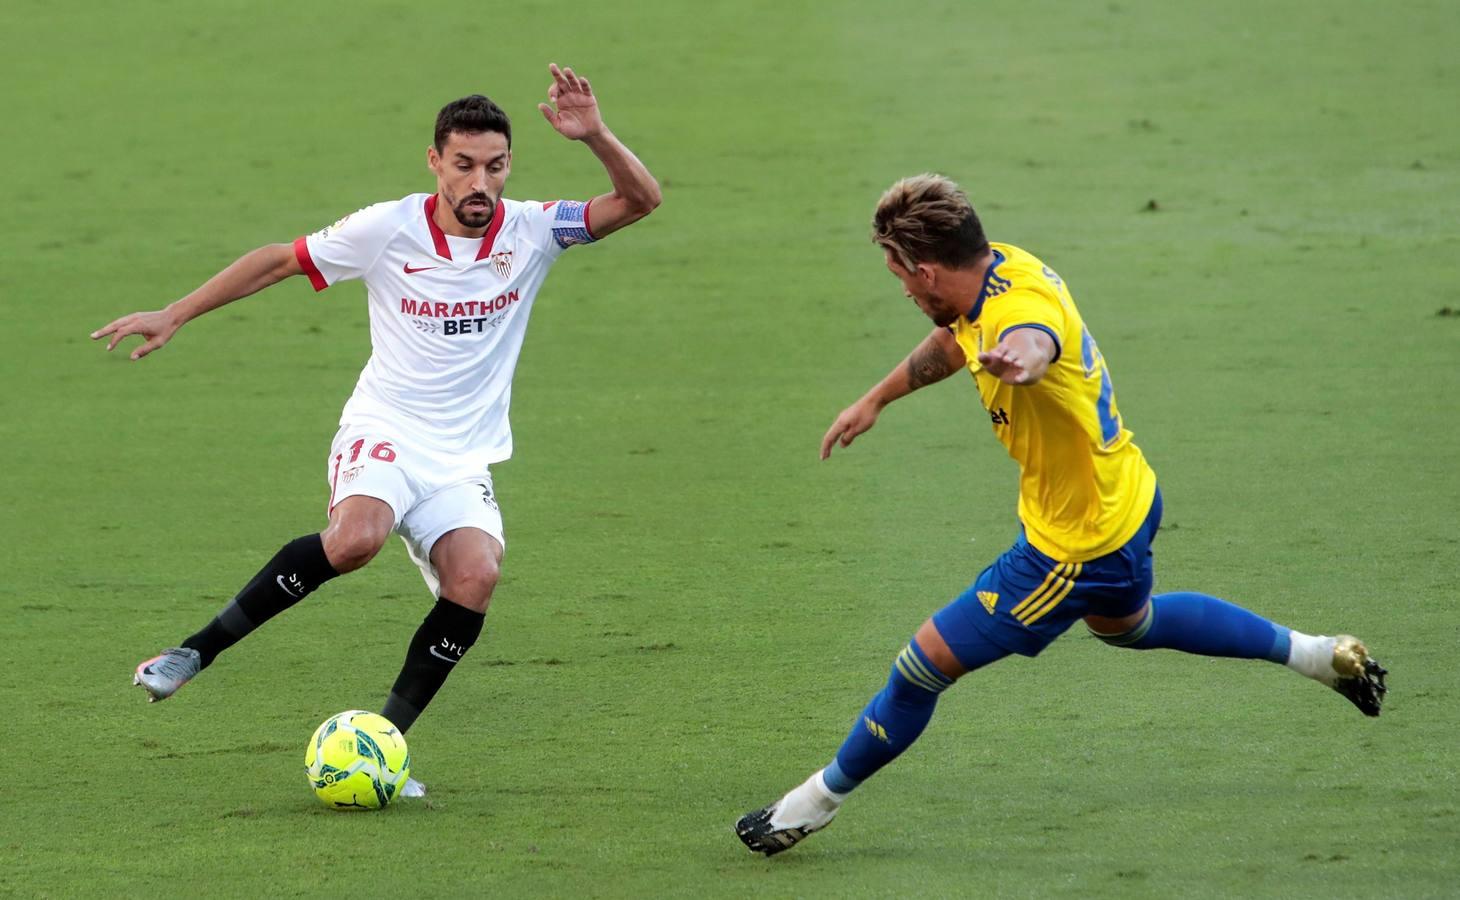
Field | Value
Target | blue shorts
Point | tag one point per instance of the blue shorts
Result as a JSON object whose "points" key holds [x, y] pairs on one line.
{"points": [[1027, 599]]}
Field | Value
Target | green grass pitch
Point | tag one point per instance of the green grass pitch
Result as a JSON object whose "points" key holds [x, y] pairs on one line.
{"points": [[1254, 203]]}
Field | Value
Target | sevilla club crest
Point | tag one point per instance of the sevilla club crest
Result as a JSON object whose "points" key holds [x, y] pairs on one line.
{"points": [[502, 263]]}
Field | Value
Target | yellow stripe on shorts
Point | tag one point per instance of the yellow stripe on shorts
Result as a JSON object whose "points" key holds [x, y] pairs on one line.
{"points": [[1050, 581], [1033, 615]]}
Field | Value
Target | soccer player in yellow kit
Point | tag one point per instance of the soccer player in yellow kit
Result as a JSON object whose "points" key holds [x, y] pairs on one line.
{"points": [[1089, 506]]}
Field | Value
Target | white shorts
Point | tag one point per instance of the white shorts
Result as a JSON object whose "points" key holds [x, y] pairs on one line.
{"points": [[430, 493]]}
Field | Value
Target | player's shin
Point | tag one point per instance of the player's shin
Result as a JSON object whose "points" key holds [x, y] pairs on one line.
{"points": [[298, 568], [448, 631], [892, 721], [1196, 623], [1204, 625]]}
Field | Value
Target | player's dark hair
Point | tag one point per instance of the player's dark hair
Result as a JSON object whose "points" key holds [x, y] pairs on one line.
{"points": [[928, 219], [471, 115]]}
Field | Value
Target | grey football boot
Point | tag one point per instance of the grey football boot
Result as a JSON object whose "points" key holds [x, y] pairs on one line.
{"points": [[162, 675]]}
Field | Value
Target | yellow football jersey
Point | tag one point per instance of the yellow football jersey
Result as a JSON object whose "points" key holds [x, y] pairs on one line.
{"points": [[1084, 487]]}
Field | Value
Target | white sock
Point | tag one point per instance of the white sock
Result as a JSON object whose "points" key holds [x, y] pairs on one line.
{"points": [[809, 805], [1312, 655]]}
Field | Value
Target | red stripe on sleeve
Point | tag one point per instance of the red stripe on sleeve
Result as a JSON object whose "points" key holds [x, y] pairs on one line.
{"points": [[306, 262]]}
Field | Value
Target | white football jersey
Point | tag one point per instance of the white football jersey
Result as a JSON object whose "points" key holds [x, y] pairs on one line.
{"points": [[447, 314]]}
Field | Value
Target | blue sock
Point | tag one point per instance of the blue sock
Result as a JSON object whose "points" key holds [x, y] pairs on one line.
{"points": [[1197, 623], [891, 722]]}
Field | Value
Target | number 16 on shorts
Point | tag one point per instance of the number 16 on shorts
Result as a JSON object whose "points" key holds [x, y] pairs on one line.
{"points": [[365, 465]]}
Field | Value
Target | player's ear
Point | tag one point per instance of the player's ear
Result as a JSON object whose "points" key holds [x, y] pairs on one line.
{"points": [[433, 159], [925, 274]]}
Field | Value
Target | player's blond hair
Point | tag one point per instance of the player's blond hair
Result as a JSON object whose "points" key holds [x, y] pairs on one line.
{"points": [[928, 218]]}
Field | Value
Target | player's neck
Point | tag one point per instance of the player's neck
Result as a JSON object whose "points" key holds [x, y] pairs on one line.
{"points": [[967, 284], [447, 221]]}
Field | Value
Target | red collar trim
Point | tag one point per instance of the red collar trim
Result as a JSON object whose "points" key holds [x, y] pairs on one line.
{"points": [[438, 237], [499, 215]]}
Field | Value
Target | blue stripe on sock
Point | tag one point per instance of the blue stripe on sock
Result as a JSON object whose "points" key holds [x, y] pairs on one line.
{"points": [[838, 781], [1282, 646]]}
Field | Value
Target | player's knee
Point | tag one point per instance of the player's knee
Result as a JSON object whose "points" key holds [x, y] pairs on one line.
{"points": [[1121, 632], [350, 547], [471, 585]]}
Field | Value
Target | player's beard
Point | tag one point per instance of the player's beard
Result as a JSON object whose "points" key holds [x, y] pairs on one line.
{"points": [[942, 314], [474, 218]]}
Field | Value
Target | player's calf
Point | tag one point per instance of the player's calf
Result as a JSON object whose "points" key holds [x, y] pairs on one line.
{"points": [[449, 630], [891, 722], [1200, 624], [293, 573]]}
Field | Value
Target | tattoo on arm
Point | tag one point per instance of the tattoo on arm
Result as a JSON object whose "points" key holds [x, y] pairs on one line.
{"points": [[927, 364]]}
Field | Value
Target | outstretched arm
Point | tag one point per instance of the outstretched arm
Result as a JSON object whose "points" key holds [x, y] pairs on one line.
{"points": [[937, 357], [1021, 358], [249, 274], [574, 113]]}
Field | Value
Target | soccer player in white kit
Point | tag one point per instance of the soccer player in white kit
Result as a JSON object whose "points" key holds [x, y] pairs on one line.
{"points": [[450, 279]]}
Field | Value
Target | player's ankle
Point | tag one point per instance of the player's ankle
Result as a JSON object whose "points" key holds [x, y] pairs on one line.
{"points": [[811, 803], [1311, 655], [835, 783]]}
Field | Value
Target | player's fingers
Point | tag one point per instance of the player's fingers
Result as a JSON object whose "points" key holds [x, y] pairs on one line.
{"points": [[121, 332], [547, 113], [571, 78], [828, 440], [587, 88], [107, 329], [148, 347], [554, 71]]}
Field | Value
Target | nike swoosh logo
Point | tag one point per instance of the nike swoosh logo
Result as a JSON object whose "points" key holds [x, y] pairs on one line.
{"points": [[285, 588], [411, 271], [436, 653]]}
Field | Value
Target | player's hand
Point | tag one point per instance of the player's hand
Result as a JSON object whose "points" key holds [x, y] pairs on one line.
{"points": [[1021, 358], [854, 420], [156, 328], [1006, 363], [576, 115]]}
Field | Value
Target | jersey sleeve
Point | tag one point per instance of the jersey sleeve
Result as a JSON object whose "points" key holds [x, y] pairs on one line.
{"points": [[556, 225], [1024, 308], [348, 248]]}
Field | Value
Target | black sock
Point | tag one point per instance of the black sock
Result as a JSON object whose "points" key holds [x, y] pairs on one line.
{"points": [[442, 640], [298, 568]]}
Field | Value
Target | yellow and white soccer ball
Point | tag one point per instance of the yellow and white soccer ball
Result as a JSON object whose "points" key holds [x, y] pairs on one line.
{"points": [[357, 760]]}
